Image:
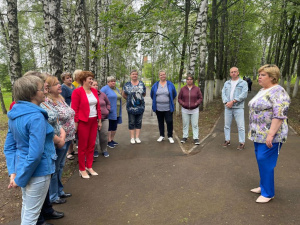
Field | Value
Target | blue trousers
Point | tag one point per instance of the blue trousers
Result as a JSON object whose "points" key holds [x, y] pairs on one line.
{"points": [[56, 186], [266, 160]]}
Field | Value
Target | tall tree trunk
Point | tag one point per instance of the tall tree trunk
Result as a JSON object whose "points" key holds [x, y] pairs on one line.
{"points": [[87, 37], [296, 86], [13, 41], [4, 111], [96, 41], [196, 39], [286, 69], [76, 34], [56, 38], [203, 50], [220, 60], [184, 44], [211, 54], [281, 33]]}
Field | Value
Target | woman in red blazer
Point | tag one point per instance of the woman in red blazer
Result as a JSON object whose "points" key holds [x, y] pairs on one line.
{"points": [[85, 103]]}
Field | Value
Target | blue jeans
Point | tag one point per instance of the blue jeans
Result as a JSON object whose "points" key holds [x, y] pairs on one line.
{"points": [[135, 121], [186, 122], [56, 187], [33, 196], [267, 160], [238, 115]]}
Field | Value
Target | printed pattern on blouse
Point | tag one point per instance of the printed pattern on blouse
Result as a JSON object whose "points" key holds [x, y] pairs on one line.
{"points": [[65, 117], [274, 104], [135, 103], [52, 116]]}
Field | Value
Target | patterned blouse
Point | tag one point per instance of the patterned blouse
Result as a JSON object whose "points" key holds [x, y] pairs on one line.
{"points": [[65, 118], [273, 104], [135, 103], [52, 117]]}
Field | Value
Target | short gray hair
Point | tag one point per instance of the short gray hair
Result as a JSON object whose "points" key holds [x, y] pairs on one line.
{"points": [[75, 73], [26, 87], [110, 78], [43, 76], [162, 71]]}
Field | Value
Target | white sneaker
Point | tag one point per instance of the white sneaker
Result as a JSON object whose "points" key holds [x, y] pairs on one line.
{"points": [[132, 141], [160, 139], [171, 140], [137, 140]]}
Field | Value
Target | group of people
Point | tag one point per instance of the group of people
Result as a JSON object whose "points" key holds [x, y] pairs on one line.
{"points": [[46, 115], [268, 127]]}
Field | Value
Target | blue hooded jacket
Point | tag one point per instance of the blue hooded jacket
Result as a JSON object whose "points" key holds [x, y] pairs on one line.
{"points": [[29, 149], [172, 95]]}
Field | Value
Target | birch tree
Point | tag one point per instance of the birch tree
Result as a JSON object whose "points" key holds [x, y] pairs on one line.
{"points": [[13, 41]]}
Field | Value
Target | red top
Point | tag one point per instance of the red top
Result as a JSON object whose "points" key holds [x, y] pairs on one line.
{"points": [[80, 104], [11, 105]]}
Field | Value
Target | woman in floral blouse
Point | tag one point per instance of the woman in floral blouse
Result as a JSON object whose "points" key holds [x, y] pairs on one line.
{"points": [[268, 127], [66, 120], [134, 92]]}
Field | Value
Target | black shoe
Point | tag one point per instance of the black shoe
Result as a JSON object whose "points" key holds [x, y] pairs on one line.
{"points": [[47, 223], [183, 140], [196, 142], [60, 201], [54, 215], [66, 195]]}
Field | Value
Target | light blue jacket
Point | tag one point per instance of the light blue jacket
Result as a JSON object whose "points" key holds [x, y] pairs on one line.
{"points": [[172, 95], [112, 97], [29, 149], [240, 93]]}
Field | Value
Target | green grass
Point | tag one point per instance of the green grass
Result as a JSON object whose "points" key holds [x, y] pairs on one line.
{"points": [[7, 99]]}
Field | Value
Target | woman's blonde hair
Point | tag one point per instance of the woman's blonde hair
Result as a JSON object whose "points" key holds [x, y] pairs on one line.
{"points": [[76, 72], [272, 70], [52, 81]]}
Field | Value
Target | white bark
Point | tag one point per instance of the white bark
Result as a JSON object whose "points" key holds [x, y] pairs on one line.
{"points": [[13, 41], [197, 36], [296, 87], [218, 88], [288, 87], [56, 35], [177, 104], [76, 34], [281, 82]]}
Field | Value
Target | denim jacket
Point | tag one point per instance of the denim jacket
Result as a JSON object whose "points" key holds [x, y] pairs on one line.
{"points": [[240, 93], [29, 149]]}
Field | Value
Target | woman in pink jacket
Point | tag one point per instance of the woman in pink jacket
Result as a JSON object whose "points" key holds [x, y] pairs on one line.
{"points": [[85, 103], [190, 97]]}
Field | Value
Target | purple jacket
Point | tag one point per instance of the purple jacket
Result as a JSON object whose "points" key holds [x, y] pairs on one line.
{"points": [[190, 99], [104, 104]]}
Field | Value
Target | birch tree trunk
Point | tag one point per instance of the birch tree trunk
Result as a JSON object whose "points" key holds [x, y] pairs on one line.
{"points": [[196, 39], [211, 55], [13, 41], [4, 111], [184, 44], [56, 38], [87, 37], [76, 34], [47, 30], [219, 75], [203, 50]]}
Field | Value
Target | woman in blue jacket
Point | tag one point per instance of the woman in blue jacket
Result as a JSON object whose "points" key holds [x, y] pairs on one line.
{"points": [[29, 148], [115, 114], [163, 93]]}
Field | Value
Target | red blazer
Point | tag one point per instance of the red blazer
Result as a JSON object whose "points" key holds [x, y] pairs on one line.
{"points": [[80, 104]]}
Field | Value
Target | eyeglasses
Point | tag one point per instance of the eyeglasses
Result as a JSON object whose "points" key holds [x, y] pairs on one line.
{"points": [[42, 89], [58, 83]]}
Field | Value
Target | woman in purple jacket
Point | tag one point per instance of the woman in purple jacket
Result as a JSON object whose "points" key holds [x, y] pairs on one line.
{"points": [[190, 97], [101, 140]]}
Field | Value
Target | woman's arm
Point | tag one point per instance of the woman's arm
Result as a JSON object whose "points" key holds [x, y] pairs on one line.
{"points": [[37, 135], [275, 125], [75, 104]]}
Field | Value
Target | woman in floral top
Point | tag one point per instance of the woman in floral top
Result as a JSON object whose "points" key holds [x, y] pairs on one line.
{"points": [[134, 92], [268, 127], [66, 120]]}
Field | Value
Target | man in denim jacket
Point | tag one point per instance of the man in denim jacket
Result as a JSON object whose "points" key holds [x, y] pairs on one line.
{"points": [[234, 93]]}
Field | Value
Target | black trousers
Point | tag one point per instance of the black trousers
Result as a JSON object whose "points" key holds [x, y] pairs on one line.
{"points": [[163, 116], [46, 210]]}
